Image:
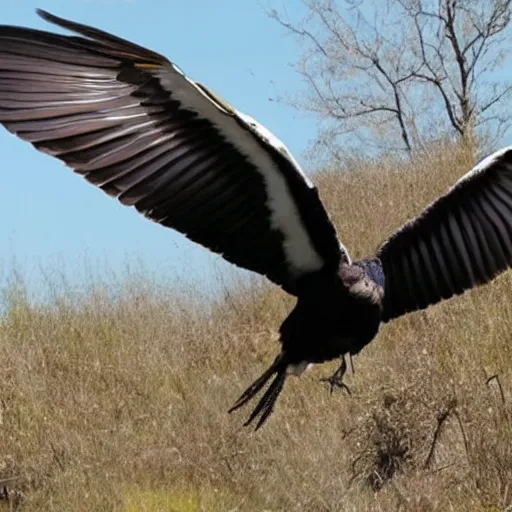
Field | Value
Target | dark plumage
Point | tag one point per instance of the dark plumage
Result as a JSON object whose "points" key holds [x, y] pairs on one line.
{"points": [[130, 122]]}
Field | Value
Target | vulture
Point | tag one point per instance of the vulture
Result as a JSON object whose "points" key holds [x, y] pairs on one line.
{"points": [[132, 123]]}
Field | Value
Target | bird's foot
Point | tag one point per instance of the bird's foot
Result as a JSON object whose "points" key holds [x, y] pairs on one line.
{"points": [[336, 379]]}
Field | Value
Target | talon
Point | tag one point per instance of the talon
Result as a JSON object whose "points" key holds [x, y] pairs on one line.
{"points": [[336, 379]]}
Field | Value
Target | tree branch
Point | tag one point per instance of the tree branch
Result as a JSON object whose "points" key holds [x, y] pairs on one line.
{"points": [[368, 75]]}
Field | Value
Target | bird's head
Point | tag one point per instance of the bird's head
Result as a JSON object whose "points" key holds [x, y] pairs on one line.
{"points": [[364, 279]]}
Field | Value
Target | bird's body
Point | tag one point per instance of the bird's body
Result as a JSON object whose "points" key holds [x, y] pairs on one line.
{"points": [[340, 314], [130, 122], [336, 313]]}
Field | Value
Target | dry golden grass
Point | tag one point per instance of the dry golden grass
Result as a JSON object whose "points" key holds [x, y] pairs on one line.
{"points": [[117, 401]]}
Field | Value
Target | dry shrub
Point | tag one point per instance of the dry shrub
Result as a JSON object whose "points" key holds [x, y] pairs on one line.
{"points": [[400, 433]]}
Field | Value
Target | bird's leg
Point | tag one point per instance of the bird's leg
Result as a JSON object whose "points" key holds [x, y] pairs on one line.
{"points": [[336, 379], [351, 364]]}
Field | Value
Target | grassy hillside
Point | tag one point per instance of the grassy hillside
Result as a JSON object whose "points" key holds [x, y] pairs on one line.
{"points": [[116, 401]]}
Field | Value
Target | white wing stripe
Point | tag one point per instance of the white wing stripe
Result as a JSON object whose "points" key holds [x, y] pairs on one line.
{"points": [[484, 164], [298, 247]]}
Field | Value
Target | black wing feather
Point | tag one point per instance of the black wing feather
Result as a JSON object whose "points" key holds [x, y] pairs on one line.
{"points": [[131, 123], [461, 240]]}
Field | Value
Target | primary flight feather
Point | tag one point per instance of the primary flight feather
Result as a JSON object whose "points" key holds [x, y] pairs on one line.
{"points": [[133, 124]]}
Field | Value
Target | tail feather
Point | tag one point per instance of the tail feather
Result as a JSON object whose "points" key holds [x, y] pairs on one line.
{"points": [[265, 406]]}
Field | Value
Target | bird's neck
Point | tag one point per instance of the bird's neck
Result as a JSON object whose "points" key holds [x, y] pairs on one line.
{"points": [[372, 268]]}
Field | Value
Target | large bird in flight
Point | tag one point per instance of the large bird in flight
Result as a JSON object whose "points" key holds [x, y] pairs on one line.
{"points": [[130, 122]]}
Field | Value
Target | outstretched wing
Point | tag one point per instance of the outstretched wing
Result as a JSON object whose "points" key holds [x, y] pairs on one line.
{"points": [[462, 239], [133, 124]]}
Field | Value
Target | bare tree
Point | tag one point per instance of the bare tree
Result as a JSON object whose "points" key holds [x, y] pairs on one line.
{"points": [[396, 74]]}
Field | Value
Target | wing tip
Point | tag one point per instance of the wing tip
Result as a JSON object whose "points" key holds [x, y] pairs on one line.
{"points": [[47, 16], [118, 46]]}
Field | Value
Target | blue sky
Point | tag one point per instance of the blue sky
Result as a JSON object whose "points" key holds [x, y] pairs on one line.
{"points": [[52, 218]]}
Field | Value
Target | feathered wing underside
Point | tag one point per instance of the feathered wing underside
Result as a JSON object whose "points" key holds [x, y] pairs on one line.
{"points": [[461, 240], [132, 124]]}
